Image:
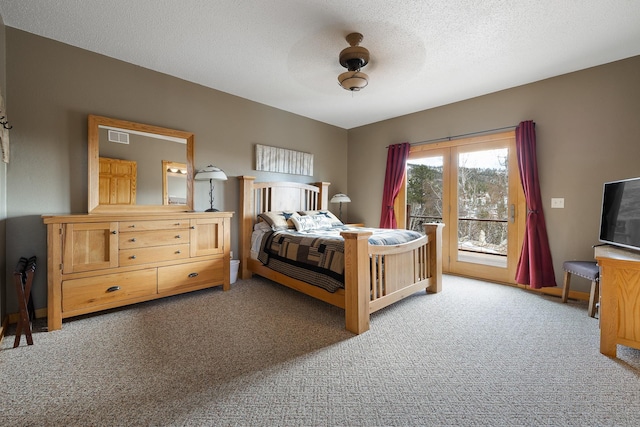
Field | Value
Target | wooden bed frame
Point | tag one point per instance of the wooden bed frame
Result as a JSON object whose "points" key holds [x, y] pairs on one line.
{"points": [[408, 267]]}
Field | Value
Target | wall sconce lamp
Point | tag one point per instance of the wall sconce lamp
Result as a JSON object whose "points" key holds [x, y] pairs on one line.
{"points": [[340, 198], [210, 173]]}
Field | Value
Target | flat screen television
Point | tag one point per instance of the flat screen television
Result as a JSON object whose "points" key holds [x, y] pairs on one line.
{"points": [[620, 217]]}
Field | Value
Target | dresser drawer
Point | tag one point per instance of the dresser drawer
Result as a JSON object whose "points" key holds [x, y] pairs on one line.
{"points": [[100, 290], [143, 239], [160, 224], [192, 275], [139, 256]]}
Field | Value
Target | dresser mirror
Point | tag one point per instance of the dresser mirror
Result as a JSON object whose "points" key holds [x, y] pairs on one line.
{"points": [[135, 167]]}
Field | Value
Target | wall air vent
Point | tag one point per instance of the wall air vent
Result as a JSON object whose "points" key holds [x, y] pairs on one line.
{"points": [[119, 137]]}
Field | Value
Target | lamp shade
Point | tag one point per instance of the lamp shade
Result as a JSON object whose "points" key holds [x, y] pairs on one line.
{"points": [[340, 198], [210, 172], [353, 80]]}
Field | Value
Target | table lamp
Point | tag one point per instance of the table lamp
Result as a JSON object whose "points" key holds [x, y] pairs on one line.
{"points": [[340, 198], [210, 173]]}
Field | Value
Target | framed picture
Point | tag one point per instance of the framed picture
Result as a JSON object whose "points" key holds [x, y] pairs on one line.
{"points": [[282, 160]]}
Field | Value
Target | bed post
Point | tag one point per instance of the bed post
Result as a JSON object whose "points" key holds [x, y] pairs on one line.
{"points": [[434, 232], [247, 209], [323, 194], [357, 281]]}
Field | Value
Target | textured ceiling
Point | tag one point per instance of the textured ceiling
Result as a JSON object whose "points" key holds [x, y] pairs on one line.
{"points": [[284, 53]]}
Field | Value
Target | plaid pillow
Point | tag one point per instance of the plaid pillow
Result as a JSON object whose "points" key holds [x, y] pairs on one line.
{"points": [[278, 220]]}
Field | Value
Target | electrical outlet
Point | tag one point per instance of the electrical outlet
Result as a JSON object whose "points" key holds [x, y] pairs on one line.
{"points": [[557, 202]]}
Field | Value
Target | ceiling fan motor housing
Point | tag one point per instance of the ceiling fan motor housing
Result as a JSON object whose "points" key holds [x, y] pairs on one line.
{"points": [[354, 57]]}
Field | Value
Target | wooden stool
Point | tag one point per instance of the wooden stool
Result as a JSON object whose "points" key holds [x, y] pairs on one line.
{"points": [[588, 270], [23, 276]]}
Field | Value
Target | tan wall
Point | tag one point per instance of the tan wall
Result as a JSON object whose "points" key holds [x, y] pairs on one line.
{"points": [[588, 132], [52, 88]]}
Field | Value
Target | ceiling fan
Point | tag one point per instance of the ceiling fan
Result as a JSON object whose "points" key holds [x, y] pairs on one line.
{"points": [[353, 58]]}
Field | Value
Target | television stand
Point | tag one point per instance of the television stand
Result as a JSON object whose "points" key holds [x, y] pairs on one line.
{"points": [[619, 298]]}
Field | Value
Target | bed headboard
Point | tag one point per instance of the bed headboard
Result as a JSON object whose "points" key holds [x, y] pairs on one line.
{"points": [[258, 197]]}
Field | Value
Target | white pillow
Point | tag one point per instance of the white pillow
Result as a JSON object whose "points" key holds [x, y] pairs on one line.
{"points": [[335, 221], [311, 222]]}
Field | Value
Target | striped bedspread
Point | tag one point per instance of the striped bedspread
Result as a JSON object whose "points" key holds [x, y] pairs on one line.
{"points": [[317, 257]]}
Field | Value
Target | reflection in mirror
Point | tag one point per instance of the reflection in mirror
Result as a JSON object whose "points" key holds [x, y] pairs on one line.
{"points": [[147, 151], [142, 185], [118, 180], [174, 183]]}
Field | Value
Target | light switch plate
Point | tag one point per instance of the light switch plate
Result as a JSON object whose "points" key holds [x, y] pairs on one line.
{"points": [[557, 202]]}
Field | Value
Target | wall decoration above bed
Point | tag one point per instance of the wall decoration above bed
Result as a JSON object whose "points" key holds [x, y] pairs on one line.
{"points": [[282, 160]]}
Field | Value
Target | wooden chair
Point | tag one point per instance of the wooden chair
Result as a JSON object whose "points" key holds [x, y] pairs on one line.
{"points": [[588, 270], [23, 275]]}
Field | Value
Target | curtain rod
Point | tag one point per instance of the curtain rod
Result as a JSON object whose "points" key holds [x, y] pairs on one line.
{"points": [[449, 138]]}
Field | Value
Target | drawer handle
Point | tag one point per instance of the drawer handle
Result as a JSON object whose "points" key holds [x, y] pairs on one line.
{"points": [[178, 237], [193, 227], [114, 232], [132, 226], [113, 289], [132, 240], [193, 275], [132, 257], [177, 224], [178, 252]]}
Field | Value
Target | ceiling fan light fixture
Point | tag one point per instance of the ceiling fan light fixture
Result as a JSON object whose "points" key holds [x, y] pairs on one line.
{"points": [[353, 80], [353, 58]]}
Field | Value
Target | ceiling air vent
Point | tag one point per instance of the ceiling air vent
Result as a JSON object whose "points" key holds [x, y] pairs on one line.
{"points": [[119, 137]]}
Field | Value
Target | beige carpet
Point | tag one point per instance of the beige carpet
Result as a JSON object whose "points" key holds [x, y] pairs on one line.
{"points": [[264, 355]]}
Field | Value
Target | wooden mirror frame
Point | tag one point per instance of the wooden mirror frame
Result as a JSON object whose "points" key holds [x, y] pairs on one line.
{"points": [[94, 123]]}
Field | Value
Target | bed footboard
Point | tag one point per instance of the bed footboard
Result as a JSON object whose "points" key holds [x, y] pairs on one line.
{"points": [[378, 276]]}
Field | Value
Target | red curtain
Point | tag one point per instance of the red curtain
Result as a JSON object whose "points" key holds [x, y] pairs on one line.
{"points": [[535, 267], [396, 166]]}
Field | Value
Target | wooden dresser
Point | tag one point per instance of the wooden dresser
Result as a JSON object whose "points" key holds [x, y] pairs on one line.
{"points": [[97, 262], [619, 298]]}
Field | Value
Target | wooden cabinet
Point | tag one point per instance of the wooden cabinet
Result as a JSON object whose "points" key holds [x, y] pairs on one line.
{"points": [[619, 298], [89, 246], [207, 236], [96, 262]]}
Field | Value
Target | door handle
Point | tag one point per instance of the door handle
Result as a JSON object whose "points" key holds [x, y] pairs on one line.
{"points": [[512, 213]]}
